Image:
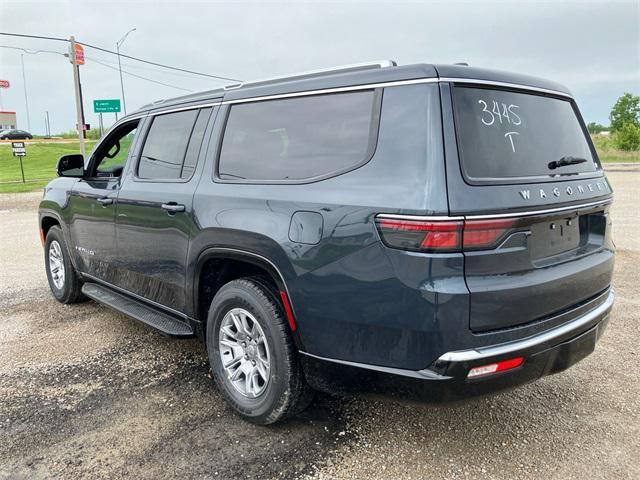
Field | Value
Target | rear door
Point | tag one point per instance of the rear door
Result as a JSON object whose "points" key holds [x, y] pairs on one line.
{"points": [[523, 172], [154, 213]]}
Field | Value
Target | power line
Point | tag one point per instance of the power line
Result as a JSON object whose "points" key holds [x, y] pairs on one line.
{"points": [[140, 76], [159, 64], [33, 52], [148, 69], [58, 39]]}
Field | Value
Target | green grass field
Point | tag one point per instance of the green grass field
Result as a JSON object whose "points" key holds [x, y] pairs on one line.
{"points": [[609, 154], [39, 165], [40, 162]]}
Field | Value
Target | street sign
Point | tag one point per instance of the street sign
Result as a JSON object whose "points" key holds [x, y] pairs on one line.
{"points": [[79, 54], [4, 84], [106, 106], [18, 149]]}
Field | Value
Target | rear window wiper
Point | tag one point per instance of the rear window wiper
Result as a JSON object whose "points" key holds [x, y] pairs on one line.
{"points": [[564, 161]]}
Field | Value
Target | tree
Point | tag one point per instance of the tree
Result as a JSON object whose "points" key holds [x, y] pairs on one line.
{"points": [[625, 111], [628, 137], [594, 128]]}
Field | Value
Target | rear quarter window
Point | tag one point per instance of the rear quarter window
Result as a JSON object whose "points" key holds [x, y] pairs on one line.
{"points": [[507, 135], [298, 139]]}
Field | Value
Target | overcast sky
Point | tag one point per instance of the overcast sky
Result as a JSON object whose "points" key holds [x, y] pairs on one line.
{"points": [[591, 47]]}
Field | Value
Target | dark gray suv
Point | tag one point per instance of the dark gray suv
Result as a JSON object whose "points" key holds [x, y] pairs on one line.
{"points": [[428, 231]]}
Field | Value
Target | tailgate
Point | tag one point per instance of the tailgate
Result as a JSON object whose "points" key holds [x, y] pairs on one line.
{"points": [[523, 173], [544, 264]]}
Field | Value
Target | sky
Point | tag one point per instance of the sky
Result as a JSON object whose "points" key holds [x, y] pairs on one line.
{"points": [[591, 47]]}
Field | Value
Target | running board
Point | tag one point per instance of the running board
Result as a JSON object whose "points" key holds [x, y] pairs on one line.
{"points": [[138, 310]]}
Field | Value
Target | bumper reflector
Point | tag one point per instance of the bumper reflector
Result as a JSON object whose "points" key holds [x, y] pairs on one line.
{"points": [[495, 367]]}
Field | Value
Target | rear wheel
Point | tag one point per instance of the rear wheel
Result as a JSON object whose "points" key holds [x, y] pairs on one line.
{"points": [[63, 279], [252, 355]]}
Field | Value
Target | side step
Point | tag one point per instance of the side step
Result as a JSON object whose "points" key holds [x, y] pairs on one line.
{"points": [[138, 310]]}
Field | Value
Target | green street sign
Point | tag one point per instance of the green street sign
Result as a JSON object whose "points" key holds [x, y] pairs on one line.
{"points": [[106, 106]]}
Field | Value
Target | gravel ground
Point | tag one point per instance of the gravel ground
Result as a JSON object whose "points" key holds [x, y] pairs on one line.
{"points": [[86, 392]]}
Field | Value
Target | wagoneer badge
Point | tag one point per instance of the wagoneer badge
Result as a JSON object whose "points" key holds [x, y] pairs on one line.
{"points": [[569, 190]]}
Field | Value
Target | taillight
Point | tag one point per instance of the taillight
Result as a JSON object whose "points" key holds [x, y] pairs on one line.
{"points": [[485, 233], [442, 235], [419, 235]]}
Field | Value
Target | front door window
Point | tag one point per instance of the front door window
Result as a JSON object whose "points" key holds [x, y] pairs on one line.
{"points": [[109, 159]]}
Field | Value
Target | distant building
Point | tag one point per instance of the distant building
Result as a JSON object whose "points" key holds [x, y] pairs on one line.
{"points": [[8, 120]]}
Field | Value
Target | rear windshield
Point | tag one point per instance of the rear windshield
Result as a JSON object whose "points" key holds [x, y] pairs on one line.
{"points": [[504, 135]]}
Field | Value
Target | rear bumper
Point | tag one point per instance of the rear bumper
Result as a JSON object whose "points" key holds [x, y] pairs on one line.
{"points": [[548, 352]]}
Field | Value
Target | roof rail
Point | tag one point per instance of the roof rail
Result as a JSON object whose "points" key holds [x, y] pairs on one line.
{"points": [[312, 73]]}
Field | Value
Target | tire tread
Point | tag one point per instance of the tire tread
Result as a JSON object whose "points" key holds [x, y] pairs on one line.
{"points": [[298, 395]]}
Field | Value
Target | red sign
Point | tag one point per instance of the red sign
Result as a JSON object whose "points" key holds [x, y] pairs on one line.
{"points": [[79, 54], [4, 84]]}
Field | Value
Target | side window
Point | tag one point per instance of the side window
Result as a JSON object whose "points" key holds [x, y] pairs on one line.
{"points": [[299, 138], [171, 149], [112, 154]]}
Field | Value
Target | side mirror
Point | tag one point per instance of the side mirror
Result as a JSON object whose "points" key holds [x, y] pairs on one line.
{"points": [[71, 165]]}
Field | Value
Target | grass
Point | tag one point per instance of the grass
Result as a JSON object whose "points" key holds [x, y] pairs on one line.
{"points": [[41, 159], [608, 153], [39, 165]]}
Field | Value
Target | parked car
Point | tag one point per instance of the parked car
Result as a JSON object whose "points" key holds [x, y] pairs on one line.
{"points": [[426, 231], [15, 135]]}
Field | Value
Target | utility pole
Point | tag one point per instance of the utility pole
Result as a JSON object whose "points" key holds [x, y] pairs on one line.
{"points": [[118, 45], [47, 123], [76, 83], [24, 83]]}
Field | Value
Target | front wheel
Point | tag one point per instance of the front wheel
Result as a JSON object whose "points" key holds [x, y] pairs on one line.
{"points": [[251, 353], [63, 279]]}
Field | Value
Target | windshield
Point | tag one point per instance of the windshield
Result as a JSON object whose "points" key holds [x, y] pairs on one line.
{"points": [[508, 135]]}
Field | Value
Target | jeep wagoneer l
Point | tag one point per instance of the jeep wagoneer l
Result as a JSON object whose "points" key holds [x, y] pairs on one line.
{"points": [[430, 231]]}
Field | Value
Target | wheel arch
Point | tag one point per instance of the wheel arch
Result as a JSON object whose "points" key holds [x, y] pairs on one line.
{"points": [[248, 264], [46, 222]]}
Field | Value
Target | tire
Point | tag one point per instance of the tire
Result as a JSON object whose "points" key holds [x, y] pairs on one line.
{"points": [[68, 289], [285, 391]]}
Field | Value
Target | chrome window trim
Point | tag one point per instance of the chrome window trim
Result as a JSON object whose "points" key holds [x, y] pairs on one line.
{"points": [[180, 109], [533, 341], [516, 86], [350, 88], [323, 91]]}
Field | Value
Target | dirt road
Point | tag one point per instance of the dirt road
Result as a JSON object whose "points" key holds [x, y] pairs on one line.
{"points": [[86, 392]]}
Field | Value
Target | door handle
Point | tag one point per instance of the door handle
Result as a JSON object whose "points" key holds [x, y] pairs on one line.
{"points": [[173, 207], [105, 201]]}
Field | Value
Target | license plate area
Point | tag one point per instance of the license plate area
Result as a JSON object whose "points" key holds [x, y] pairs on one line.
{"points": [[555, 236]]}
